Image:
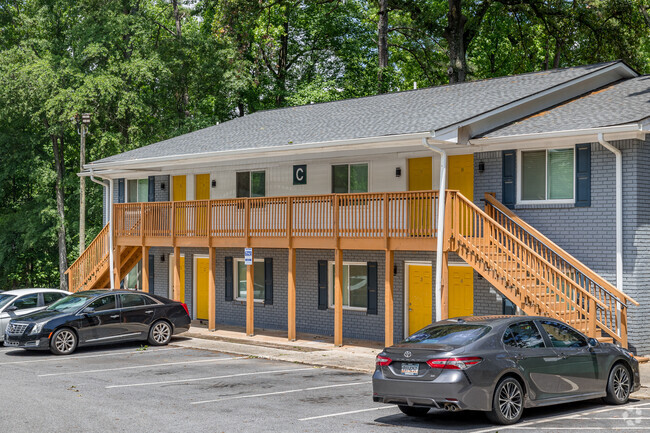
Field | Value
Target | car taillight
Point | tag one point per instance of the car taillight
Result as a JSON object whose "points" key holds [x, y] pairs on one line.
{"points": [[382, 361], [185, 307], [454, 363]]}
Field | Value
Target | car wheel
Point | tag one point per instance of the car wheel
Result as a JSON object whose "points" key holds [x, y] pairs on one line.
{"points": [[63, 342], [508, 402], [413, 411], [618, 385], [160, 333]]}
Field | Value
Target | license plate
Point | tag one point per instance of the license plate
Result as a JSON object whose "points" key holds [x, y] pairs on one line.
{"points": [[410, 369]]}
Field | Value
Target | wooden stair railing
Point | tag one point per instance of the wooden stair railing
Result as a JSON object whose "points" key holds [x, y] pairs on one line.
{"points": [[572, 267], [88, 267], [527, 278]]}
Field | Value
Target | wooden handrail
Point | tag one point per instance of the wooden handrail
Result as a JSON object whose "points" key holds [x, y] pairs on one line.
{"points": [[89, 260], [492, 201]]}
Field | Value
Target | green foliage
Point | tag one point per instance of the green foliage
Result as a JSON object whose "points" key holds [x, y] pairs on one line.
{"points": [[143, 80]]}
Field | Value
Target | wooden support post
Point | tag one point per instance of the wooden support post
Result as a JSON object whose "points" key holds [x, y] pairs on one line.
{"points": [[177, 275], [338, 297], [388, 297], [117, 256], [291, 296], [250, 298], [211, 292], [444, 295], [145, 269]]}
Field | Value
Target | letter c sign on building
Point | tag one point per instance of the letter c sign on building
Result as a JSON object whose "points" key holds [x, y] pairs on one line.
{"points": [[300, 174]]}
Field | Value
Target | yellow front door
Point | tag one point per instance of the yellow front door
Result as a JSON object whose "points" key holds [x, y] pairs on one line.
{"points": [[420, 208], [171, 277], [202, 273], [461, 174], [419, 302], [180, 190], [202, 183], [461, 291]]}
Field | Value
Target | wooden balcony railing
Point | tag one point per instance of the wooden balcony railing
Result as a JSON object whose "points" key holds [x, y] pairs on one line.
{"points": [[406, 216], [90, 262]]}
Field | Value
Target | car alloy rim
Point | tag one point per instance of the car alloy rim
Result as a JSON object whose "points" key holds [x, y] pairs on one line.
{"points": [[161, 332], [64, 341], [621, 383], [510, 400]]}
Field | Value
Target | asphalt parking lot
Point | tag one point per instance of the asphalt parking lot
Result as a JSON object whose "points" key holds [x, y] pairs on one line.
{"points": [[132, 388]]}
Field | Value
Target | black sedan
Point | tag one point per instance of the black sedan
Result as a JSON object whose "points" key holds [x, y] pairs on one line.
{"points": [[501, 365], [99, 317]]}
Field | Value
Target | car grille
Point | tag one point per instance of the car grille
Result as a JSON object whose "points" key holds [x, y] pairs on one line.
{"points": [[16, 328]]}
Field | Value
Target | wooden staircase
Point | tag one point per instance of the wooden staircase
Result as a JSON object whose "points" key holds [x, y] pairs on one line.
{"points": [[92, 271], [534, 273]]}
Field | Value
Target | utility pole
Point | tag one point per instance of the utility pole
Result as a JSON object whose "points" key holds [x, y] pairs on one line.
{"points": [[82, 128]]}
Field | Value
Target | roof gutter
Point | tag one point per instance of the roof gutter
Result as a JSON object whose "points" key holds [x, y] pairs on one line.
{"points": [[334, 145], [587, 133], [441, 223]]}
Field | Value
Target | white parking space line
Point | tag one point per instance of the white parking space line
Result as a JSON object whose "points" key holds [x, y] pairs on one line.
{"points": [[199, 379], [290, 391], [576, 415], [68, 358], [133, 367], [346, 413]]}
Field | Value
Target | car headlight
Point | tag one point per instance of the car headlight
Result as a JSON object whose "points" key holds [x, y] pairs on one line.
{"points": [[37, 328]]}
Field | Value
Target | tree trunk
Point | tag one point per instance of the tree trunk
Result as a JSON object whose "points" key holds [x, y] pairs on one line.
{"points": [[382, 46], [282, 66], [57, 148], [454, 35], [82, 192], [184, 97]]}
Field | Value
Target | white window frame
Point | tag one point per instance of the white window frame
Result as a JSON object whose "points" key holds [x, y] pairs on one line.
{"points": [[330, 284], [170, 288], [138, 199], [235, 273], [545, 201], [250, 181], [367, 163]]}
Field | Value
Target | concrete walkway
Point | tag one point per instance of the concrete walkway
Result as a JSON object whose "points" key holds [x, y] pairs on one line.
{"points": [[309, 349]]}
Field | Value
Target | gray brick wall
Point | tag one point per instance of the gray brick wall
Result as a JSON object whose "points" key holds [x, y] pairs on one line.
{"points": [[589, 233]]}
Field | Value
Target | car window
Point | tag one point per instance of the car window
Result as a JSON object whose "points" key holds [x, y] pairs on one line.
{"points": [[131, 300], [453, 335], [562, 335], [71, 303], [104, 303], [523, 335], [5, 299], [27, 301], [49, 297]]}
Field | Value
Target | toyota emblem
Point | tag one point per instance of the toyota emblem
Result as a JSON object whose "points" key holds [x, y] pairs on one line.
{"points": [[407, 354]]}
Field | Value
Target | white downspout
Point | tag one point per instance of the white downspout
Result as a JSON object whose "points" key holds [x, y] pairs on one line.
{"points": [[110, 225], [619, 209], [441, 224]]}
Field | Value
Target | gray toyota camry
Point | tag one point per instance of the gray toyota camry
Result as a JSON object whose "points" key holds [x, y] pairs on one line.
{"points": [[501, 365]]}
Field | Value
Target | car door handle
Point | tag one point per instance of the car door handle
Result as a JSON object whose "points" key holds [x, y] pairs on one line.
{"points": [[519, 357], [563, 356], [115, 316], [148, 312]]}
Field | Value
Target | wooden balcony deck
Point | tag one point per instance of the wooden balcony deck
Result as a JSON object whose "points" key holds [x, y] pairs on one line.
{"points": [[370, 221]]}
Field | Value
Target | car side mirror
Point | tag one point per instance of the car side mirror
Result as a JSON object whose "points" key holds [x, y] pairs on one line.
{"points": [[88, 310], [592, 342], [12, 308]]}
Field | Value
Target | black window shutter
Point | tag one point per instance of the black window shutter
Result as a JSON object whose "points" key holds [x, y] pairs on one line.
{"points": [[372, 288], [509, 176], [152, 188], [583, 175], [120, 190], [322, 285], [229, 280], [152, 259], [268, 281]]}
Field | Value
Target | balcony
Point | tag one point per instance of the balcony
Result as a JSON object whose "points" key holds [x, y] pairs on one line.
{"points": [[370, 221]]}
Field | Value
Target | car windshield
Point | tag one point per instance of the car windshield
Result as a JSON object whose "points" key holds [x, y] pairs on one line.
{"points": [[450, 335], [70, 303], [5, 299]]}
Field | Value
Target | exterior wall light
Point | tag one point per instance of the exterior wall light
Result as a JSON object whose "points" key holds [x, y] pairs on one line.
{"points": [[398, 171], [214, 183], [481, 167]]}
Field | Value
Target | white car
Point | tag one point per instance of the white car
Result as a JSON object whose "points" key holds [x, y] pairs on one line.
{"points": [[17, 303]]}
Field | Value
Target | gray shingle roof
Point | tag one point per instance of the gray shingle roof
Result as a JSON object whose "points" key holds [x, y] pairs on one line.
{"points": [[382, 115], [621, 103]]}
